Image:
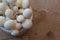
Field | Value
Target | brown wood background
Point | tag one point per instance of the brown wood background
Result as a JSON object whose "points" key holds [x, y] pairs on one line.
{"points": [[46, 22]]}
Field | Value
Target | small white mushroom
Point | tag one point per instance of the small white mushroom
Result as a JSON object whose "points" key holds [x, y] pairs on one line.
{"points": [[25, 3], [20, 18], [27, 24], [18, 26], [27, 13], [2, 20], [10, 24], [10, 14], [12, 32], [18, 3], [3, 6], [15, 8], [21, 11]]}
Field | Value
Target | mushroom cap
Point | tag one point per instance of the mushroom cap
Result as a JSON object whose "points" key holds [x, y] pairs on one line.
{"points": [[2, 21], [18, 26], [21, 11], [14, 32], [20, 18], [27, 24], [10, 24], [25, 3], [27, 13], [9, 13], [3, 6], [15, 8], [18, 3]]}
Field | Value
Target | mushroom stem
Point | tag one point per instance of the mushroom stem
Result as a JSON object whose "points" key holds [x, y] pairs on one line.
{"points": [[12, 32], [8, 31]]}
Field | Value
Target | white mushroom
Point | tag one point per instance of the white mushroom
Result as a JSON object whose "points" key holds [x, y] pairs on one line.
{"points": [[25, 3], [27, 13], [3, 6], [21, 11], [27, 24], [20, 18], [12, 32], [10, 14], [15, 8], [18, 26], [10, 24], [2, 20], [18, 3]]}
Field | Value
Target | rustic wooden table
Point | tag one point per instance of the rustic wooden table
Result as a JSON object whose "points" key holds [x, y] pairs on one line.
{"points": [[46, 22]]}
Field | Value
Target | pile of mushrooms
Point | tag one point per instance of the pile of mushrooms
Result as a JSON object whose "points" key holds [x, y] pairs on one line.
{"points": [[15, 16]]}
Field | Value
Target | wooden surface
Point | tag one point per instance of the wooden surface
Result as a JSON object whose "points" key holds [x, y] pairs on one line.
{"points": [[46, 22]]}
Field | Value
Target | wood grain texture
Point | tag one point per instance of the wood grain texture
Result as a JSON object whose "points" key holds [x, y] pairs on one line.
{"points": [[46, 22]]}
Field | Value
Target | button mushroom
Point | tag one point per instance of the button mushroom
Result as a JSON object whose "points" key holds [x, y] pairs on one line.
{"points": [[10, 24], [15, 8], [3, 6], [27, 24], [18, 26], [10, 14], [27, 13], [14, 32], [25, 3], [18, 3], [21, 11], [20, 18]]}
